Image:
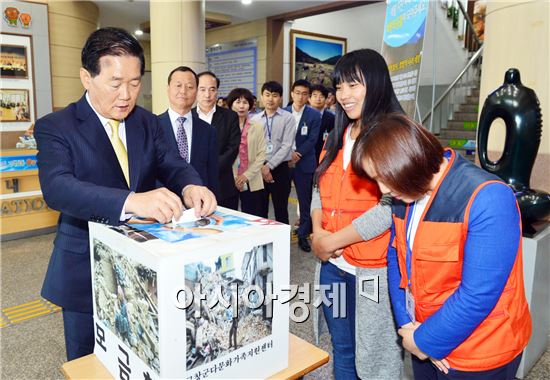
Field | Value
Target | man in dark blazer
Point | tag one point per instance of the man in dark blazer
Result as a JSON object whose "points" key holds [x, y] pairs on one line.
{"points": [[303, 161], [317, 100], [193, 138], [99, 160], [226, 123]]}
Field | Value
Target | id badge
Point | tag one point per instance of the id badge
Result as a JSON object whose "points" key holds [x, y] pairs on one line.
{"points": [[409, 300], [325, 135], [269, 147], [304, 130]]}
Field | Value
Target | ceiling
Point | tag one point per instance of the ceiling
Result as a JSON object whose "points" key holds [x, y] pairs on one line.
{"points": [[136, 12]]}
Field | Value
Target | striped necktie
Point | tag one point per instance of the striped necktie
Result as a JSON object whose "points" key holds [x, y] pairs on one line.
{"points": [[119, 149]]}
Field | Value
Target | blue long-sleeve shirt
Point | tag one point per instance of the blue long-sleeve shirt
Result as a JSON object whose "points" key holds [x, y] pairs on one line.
{"points": [[489, 254]]}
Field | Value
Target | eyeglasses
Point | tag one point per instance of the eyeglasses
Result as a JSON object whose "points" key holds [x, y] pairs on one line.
{"points": [[301, 93]]}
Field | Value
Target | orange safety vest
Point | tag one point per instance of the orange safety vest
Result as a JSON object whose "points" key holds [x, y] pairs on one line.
{"points": [[436, 269], [345, 196]]}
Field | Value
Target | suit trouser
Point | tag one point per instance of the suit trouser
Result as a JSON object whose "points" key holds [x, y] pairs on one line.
{"points": [[231, 202], [79, 333], [303, 182], [279, 191], [251, 201]]}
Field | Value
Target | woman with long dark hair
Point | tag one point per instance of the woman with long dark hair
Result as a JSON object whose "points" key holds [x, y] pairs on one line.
{"points": [[365, 341], [456, 275]]}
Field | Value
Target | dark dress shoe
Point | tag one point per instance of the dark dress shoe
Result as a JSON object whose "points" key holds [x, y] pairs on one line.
{"points": [[304, 244]]}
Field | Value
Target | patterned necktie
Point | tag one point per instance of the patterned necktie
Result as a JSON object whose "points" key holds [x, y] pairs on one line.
{"points": [[181, 138], [119, 149]]}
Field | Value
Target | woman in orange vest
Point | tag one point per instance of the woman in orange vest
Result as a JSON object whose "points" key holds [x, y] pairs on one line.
{"points": [[457, 291], [368, 348]]}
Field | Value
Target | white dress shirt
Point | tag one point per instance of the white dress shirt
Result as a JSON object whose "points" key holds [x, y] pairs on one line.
{"points": [[297, 116], [107, 127], [206, 116], [122, 135], [187, 126]]}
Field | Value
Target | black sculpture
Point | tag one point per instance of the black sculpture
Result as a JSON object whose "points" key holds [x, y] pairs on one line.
{"points": [[519, 107]]}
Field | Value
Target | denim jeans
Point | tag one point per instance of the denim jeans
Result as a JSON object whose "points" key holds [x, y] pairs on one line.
{"points": [[342, 329]]}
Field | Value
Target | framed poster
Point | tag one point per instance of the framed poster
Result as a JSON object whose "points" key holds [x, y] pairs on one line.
{"points": [[17, 92], [14, 105], [313, 56], [13, 61]]}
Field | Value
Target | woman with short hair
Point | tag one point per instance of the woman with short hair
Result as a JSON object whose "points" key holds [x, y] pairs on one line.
{"points": [[456, 276], [251, 157]]}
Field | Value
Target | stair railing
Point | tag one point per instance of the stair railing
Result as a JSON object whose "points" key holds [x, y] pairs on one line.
{"points": [[456, 93]]}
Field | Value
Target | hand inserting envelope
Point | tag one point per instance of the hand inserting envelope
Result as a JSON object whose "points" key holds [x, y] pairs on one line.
{"points": [[187, 216]]}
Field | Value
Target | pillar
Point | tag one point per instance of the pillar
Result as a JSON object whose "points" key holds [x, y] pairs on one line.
{"points": [[177, 38]]}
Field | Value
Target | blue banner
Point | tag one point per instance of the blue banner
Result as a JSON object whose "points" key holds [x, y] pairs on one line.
{"points": [[402, 47], [17, 163]]}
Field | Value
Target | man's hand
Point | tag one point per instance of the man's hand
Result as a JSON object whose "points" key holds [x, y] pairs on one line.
{"points": [[240, 181], [295, 157], [320, 243], [160, 204], [266, 174], [202, 199]]}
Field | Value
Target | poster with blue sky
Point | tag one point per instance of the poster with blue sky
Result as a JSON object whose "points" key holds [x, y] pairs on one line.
{"points": [[402, 47], [313, 56]]}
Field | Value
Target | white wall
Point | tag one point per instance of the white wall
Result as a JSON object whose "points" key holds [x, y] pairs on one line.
{"points": [[364, 28]]}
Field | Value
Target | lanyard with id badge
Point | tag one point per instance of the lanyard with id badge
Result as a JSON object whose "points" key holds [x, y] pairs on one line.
{"points": [[269, 144], [409, 298], [303, 130]]}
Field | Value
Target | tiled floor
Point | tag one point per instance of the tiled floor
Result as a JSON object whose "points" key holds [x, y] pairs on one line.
{"points": [[34, 348]]}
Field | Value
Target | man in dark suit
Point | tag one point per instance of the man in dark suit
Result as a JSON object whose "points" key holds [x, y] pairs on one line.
{"points": [[317, 100], [303, 161], [99, 160], [226, 123], [193, 138]]}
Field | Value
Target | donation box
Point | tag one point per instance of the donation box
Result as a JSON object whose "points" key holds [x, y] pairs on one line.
{"points": [[192, 299]]}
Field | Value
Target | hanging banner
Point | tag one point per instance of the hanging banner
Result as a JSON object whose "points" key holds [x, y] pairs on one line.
{"points": [[402, 47], [234, 63]]}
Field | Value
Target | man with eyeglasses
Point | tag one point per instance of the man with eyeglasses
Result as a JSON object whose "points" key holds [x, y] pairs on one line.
{"points": [[226, 123], [303, 162]]}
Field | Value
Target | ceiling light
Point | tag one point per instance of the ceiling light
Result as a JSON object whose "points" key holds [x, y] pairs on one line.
{"points": [[138, 32], [246, 2]]}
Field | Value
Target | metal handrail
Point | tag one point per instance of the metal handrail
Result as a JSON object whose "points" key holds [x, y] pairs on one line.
{"points": [[453, 84], [470, 23]]}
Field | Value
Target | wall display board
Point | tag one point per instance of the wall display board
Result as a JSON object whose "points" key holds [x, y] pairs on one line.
{"points": [[234, 63], [25, 76], [313, 56], [189, 300], [17, 105], [402, 47]]}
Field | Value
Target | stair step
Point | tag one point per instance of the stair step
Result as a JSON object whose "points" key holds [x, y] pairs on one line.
{"points": [[461, 125], [457, 134], [466, 148], [474, 92], [472, 99], [465, 116], [469, 108]]}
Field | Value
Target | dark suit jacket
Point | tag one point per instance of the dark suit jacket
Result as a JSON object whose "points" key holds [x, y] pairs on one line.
{"points": [[80, 177], [305, 144], [203, 148], [226, 123], [327, 124]]}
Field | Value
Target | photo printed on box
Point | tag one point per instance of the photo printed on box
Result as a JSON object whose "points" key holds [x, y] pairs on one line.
{"points": [[126, 302], [235, 311]]}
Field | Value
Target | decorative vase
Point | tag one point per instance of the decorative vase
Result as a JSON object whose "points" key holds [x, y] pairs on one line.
{"points": [[519, 107]]}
